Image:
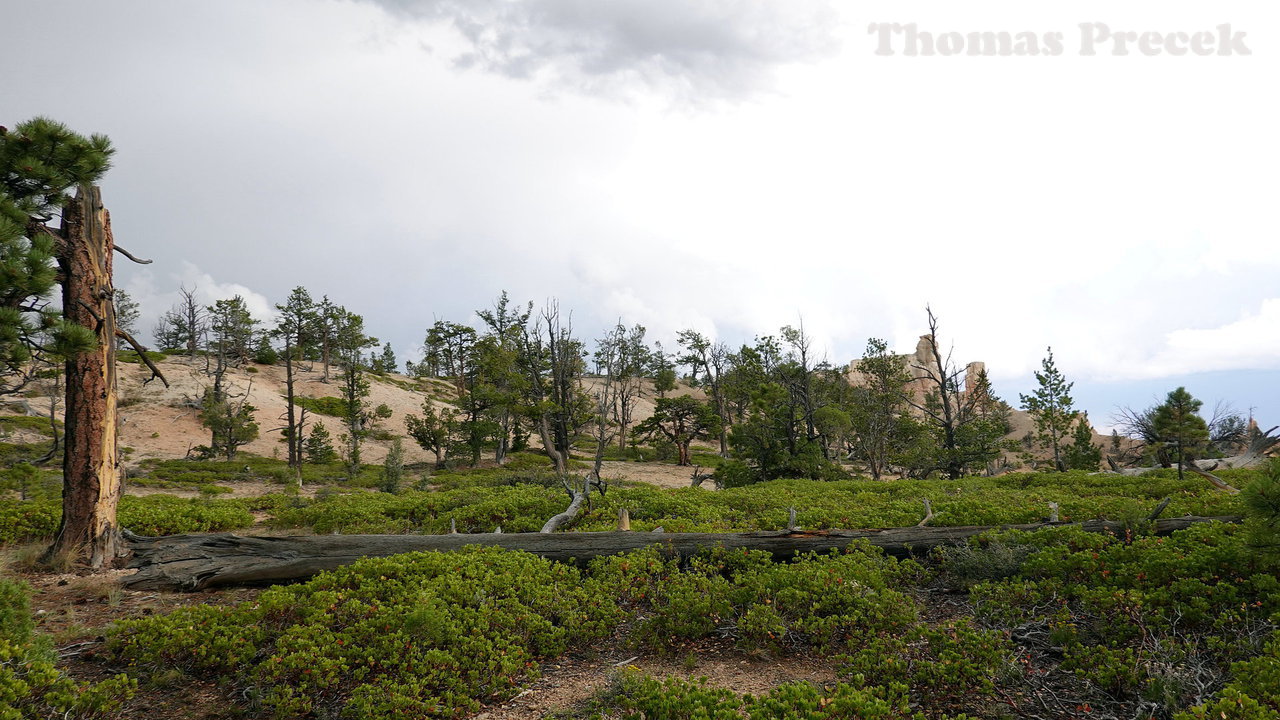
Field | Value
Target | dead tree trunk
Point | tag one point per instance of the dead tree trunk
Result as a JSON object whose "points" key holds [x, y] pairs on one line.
{"points": [[194, 562], [91, 486], [575, 505]]}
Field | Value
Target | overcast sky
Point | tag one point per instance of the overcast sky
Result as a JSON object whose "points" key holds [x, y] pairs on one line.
{"points": [[731, 166]]}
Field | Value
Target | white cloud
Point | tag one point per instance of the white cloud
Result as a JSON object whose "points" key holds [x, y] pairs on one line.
{"points": [[693, 48], [155, 297], [1250, 343]]}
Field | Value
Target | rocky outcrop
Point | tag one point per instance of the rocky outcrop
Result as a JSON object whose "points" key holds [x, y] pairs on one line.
{"points": [[917, 364]]}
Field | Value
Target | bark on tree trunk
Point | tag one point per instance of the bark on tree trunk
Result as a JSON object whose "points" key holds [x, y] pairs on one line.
{"points": [[194, 562], [91, 486], [548, 444]]}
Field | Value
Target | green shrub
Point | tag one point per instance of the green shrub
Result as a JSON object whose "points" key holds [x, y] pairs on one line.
{"points": [[422, 634], [30, 685], [332, 406], [1145, 619], [131, 356], [640, 697], [15, 613], [170, 515], [10, 423], [819, 601], [30, 520]]}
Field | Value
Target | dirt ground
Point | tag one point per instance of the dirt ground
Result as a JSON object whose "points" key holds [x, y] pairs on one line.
{"points": [[571, 681], [661, 474]]}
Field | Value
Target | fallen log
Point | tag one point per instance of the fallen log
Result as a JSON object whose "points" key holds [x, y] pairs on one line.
{"points": [[196, 562]]}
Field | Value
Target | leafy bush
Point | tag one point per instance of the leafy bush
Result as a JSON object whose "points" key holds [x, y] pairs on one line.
{"points": [[640, 697], [30, 520], [821, 601], [1152, 619], [170, 515], [131, 356], [30, 685], [421, 635], [332, 406], [954, 663], [10, 423]]}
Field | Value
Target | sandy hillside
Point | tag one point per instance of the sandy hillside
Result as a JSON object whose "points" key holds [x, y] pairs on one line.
{"points": [[164, 422], [160, 422]]}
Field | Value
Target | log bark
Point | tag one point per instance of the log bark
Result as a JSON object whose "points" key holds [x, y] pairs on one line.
{"points": [[195, 562], [91, 486]]}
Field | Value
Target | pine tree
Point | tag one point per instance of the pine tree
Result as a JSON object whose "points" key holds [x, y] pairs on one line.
{"points": [[385, 362], [40, 161], [232, 330], [349, 345], [680, 420], [1082, 454], [879, 407], [1179, 428], [434, 431], [293, 329], [229, 421], [319, 446], [127, 313], [1051, 408], [393, 468]]}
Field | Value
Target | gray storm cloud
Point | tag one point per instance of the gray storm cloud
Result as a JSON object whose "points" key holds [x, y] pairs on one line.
{"points": [[704, 48]]}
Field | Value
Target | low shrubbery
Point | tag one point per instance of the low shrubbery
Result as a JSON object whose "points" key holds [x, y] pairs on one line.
{"points": [[1149, 621], [246, 468], [1183, 624], [638, 697], [149, 515], [520, 496], [422, 635], [828, 602], [432, 634], [30, 685], [331, 406]]}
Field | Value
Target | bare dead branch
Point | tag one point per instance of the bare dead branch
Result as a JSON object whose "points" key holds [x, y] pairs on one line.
{"points": [[1159, 508], [142, 353], [131, 256], [1217, 481]]}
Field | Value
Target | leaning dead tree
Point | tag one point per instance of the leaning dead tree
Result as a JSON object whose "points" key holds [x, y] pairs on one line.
{"points": [[194, 562]]}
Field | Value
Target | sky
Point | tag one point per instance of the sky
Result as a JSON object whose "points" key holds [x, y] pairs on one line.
{"points": [[728, 166]]}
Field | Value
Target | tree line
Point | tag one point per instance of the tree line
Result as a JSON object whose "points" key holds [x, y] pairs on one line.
{"points": [[771, 407]]}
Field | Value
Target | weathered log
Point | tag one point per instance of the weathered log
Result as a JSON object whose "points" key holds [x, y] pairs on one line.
{"points": [[194, 562]]}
